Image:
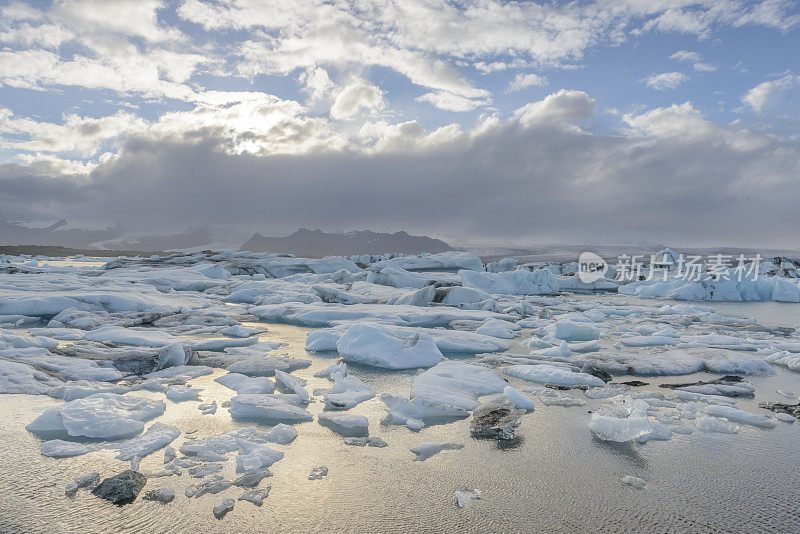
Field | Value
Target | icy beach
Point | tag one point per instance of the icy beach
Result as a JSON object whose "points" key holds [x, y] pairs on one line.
{"points": [[234, 391]]}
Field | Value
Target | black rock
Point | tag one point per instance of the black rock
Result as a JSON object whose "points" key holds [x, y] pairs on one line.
{"points": [[635, 383], [779, 407], [122, 488]]}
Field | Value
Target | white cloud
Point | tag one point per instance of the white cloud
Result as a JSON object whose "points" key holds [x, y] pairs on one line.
{"points": [[523, 81], [666, 80], [693, 58], [762, 95], [561, 107], [452, 102], [356, 97]]}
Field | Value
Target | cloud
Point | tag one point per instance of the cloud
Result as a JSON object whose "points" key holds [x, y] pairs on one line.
{"points": [[666, 80], [535, 176], [695, 59], [452, 102], [523, 81], [766, 93], [356, 97]]}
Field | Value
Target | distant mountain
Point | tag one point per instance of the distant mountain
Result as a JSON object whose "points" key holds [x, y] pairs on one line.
{"points": [[191, 238], [12, 233], [316, 243]]}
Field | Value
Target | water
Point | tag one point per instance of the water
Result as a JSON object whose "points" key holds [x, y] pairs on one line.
{"points": [[556, 477]]}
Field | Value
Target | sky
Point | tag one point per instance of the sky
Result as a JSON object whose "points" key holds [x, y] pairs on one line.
{"points": [[486, 121]]}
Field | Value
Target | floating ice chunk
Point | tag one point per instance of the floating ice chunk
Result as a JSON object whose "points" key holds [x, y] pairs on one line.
{"points": [[340, 368], [204, 470], [138, 337], [423, 451], [364, 441], [104, 416], [444, 261], [162, 495], [496, 418], [16, 377], [215, 272], [418, 412], [552, 397], [634, 482], [345, 424], [255, 495], [712, 424], [255, 456], [623, 418], [347, 391], [88, 481], [495, 328], [456, 383], [572, 331], [318, 473], [520, 401], [293, 383], [266, 365], [649, 341], [212, 485], [66, 334], [458, 296], [244, 384], [735, 415], [222, 509], [466, 496], [180, 393], [552, 374], [156, 437], [784, 357], [376, 345], [281, 433], [251, 406], [519, 282], [208, 408], [785, 417], [58, 448], [251, 479], [58, 366]]}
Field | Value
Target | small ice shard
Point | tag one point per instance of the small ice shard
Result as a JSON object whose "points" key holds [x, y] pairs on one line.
{"points": [[251, 479], [213, 484], [423, 451], [340, 368], [251, 406], [417, 412], [735, 415], [182, 393], [712, 424], [522, 402], [169, 455], [58, 448], [122, 488], [318, 473], [163, 495], [364, 441], [224, 506], [785, 417], [294, 384], [553, 374], [244, 384], [89, 481], [157, 436], [347, 392], [255, 495], [623, 418], [253, 456], [208, 408], [496, 418], [203, 470], [345, 424], [266, 365], [281, 433], [634, 482], [466, 496]]}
